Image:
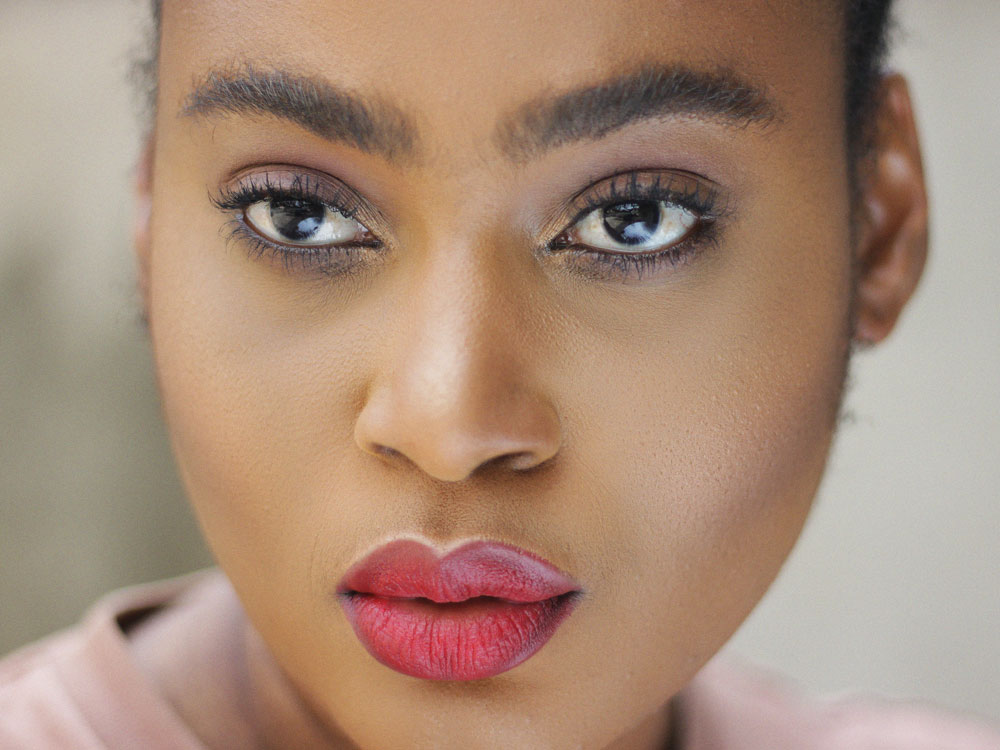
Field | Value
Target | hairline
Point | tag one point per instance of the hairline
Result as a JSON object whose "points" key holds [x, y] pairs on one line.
{"points": [[858, 80]]}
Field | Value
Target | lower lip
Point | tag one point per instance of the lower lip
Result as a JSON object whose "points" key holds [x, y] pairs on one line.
{"points": [[469, 640]]}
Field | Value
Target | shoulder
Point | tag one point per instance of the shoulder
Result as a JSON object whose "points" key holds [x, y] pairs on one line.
{"points": [[80, 688], [731, 704], [36, 709]]}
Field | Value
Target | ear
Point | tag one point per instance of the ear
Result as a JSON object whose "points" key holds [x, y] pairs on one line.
{"points": [[891, 243], [143, 205]]}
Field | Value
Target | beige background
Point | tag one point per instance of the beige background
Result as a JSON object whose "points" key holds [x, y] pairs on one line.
{"points": [[895, 586]]}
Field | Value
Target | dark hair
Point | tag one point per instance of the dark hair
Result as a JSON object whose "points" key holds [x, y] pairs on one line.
{"points": [[867, 27], [866, 23]]}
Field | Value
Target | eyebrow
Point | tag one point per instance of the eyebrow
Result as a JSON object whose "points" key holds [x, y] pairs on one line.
{"points": [[369, 124], [373, 125], [653, 91]]}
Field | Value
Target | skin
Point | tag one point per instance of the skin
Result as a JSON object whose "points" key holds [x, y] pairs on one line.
{"points": [[660, 440]]}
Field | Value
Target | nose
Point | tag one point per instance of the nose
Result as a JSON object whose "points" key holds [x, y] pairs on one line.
{"points": [[454, 390]]}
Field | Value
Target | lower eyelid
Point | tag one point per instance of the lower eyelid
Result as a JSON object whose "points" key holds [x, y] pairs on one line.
{"points": [[600, 265], [335, 260]]}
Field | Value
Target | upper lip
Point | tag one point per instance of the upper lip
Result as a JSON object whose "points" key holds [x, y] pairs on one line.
{"points": [[409, 569]]}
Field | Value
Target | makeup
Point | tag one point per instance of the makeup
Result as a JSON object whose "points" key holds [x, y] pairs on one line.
{"points": [[474, 613]]}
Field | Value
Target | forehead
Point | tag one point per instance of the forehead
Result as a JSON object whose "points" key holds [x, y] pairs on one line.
{"points": [[457, 67]]}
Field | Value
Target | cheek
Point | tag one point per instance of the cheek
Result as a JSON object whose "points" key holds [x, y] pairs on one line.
{"points": [[712, 442], [256, 393]]}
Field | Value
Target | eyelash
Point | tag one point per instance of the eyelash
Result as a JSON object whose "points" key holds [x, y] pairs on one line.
{"points": [[333, 259], [685, 192]]}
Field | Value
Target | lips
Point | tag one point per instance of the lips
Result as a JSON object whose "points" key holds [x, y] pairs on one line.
{"points": [[480, 610]]}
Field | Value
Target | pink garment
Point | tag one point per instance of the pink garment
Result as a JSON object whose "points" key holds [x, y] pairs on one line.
{"points": [[80, 689]]}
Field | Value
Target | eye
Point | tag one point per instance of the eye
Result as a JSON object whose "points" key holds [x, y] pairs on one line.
{"points": [[305, 223], [638, 226]]}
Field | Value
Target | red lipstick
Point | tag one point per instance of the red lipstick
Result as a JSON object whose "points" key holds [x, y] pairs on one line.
{"points": [[479, 610]]}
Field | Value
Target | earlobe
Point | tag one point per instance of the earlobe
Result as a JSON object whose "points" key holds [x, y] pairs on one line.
{"points": [[892, 240], [143, 204]]}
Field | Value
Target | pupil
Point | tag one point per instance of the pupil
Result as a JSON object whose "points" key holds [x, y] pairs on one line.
{"points": [[632, 223], [297, 220]]}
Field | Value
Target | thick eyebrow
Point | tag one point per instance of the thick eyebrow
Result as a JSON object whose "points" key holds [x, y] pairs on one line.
{"points": [[653, 91], [368, 124]]}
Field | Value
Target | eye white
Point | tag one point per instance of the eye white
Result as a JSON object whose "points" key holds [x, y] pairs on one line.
{"points": [[320, 226], [673, 224]]}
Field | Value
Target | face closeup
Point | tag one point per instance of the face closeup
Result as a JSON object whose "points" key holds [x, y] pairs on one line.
{"points": [[572, 277]]}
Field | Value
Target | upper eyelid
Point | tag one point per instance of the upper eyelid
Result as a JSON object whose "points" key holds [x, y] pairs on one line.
{"points": [[265, 184], [296, 181], [643, 181], [707, 196]]}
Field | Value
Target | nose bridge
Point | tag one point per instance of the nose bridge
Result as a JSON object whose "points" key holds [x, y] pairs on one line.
{"points": [[454, 389]]}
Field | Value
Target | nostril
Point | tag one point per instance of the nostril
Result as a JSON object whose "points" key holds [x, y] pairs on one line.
{"points": [[385, 450], [520, 461]]}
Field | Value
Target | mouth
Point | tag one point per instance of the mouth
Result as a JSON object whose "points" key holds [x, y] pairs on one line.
{"points": [[478, 611]]}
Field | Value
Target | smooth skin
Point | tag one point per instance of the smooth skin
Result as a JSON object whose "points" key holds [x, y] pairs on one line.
{"points": [[660, 439]]}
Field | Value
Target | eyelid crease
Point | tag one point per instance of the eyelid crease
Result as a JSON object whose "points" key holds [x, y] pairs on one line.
{"points": [[290, 183], [698, 194]]}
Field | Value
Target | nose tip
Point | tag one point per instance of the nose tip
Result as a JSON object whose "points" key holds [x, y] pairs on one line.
{"points": [[457, 381], [454, 442]]}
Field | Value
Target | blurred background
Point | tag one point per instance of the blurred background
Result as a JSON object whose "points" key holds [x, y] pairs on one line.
{"points": [[895, 586]]}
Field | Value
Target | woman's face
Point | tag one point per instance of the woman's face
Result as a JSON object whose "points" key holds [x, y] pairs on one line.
{"points": [[497, 352]]}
